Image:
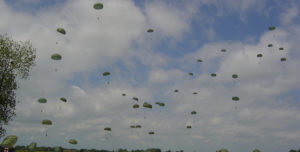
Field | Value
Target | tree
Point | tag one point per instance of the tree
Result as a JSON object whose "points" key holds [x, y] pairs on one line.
{"points": [[16, 59]]}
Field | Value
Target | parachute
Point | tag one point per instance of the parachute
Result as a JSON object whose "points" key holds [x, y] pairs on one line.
{"points": [[147, 105], [160, 104], [132, 126], [135, 98], [138, 126], [235, 98], [234, 76], [98, 6], [107, 129], [175, 90], [106, 73], [56, 56], [256, 150], [150, 30], [61, 30], [47, 122], [135, 106], [32, 147], [195, 93], [42, 100], [123, 94], [270, 45], [73, 141], [193, 112], [63, 99], [271, 28], [199, 60], [151, 133], [281, 48], [223, 50], [191, 74], [189, 127], [9, 141], [283, 59], [213, 75], [259, 55]]}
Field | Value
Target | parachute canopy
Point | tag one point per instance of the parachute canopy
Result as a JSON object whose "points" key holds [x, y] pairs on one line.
{"points": [[135, 106], [47, 122], [259, 55], [223, 50], [138, 126], [123, 94], [222, 150], [147, 105], [151, 133], [107, 129], [234, 76], [56, 56], [106, 73], [175, 90], [9, 141], [63, 99], [73, 141], [150, 30], [189, 127], [132, 126], [98, 6], [160, 104], [281, 48], [191, 74], [135, 98], [271, 28], [199, 60], [42, 100], [61, 30], [270, 45], [213, 75], [283, 59], [193, 112], [235, 98], [195, 93]]}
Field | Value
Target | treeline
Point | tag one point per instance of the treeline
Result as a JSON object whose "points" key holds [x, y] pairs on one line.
{"points": [[61, 149]]}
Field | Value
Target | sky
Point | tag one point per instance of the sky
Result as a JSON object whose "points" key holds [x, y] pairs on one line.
{"points": [[151, 66]]}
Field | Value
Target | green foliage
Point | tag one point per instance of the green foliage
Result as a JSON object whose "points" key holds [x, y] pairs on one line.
{"points": [[16, 59]]}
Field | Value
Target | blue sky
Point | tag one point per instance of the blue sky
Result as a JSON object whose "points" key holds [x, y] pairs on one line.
{"points": [[151, 66]]}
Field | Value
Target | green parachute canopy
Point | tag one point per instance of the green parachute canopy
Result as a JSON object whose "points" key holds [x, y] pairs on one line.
{"points": [[73, 141], [42, 100], [222, 150], [135, 106], [132, 126], [98, 6], [147, 105], [199, 60], [191, 74], [271, 28], [150, 30], [259, 55], [31, 147], [195, 93], [47, 122], [189, 127], [213, 75], [61, 30], [223, 50], [256, 150], [9, 141], [151, 133], [281, 48], [107, 129], [138, 126], [160, 104], [63, 99], [193, 112], [135, 98], [283, 59], [106, 73], [176, 90], [234, 76], [270, 45], [235, 98], [56, 56], [123, 94]]}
